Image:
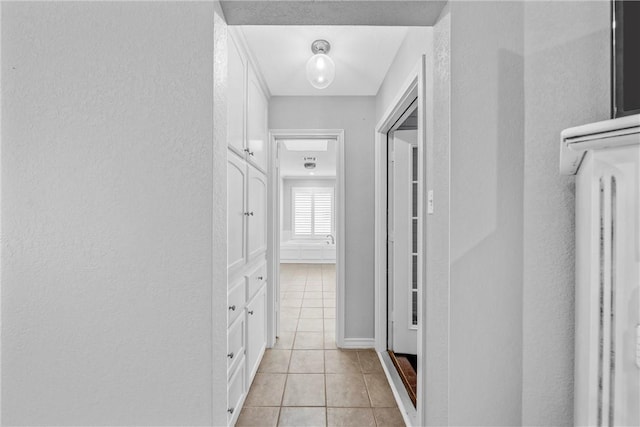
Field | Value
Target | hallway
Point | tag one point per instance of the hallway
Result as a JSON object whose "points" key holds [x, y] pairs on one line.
{"points": [[305, 380]]}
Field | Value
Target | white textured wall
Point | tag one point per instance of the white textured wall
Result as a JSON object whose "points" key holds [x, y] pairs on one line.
{"points": [[520, 73], [567, 83], [107, 208], [436, 303], [417, 42], [487, 161], [356, 116], [219, 398]]}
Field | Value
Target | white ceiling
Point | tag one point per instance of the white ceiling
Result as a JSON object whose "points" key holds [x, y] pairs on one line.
{"points": [[362, 55], [292, 162]]}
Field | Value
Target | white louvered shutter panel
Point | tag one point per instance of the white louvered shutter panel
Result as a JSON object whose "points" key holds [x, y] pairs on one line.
{"points": [[302, 211], [323, 212]]}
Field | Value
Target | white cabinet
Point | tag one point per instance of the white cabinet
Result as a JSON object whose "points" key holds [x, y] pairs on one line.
{"points": [[257, 192], [236, 299], [256, 332], [246, 213], [256, 279], [236, 213], [257, 122], [236, 391], [236, 341], [247, 110], [247, 157], [236, 97], [605, 156]]}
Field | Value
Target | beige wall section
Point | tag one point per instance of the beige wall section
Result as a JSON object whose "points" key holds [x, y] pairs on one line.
{"points": [[356, 115], [567, 83], [107, 208]]}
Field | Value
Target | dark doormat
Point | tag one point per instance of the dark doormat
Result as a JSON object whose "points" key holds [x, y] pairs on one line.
{"points": [[407, 366]]}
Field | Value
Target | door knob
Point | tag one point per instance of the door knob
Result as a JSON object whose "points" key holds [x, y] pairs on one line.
{"points": [[260, 278], [232, 307], [230, 355], [250, 312], [230, 410]]}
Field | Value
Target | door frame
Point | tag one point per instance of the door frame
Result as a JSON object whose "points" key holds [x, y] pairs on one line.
{"points": [[273, 236], [414, 87]]}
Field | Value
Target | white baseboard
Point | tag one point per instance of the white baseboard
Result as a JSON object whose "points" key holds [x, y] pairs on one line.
{"points": [[358, 343], [409, 413], [307, 261]]}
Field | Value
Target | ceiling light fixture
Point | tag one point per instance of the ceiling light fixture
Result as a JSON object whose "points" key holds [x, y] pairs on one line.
{"points": [[320, 68], [309, 162]]}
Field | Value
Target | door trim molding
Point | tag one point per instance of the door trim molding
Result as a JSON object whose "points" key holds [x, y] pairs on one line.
{"points": [[414, 87], [273, 238]]}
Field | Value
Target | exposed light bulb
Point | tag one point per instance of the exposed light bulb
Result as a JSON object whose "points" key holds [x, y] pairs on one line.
{"points": [[321, 69]]}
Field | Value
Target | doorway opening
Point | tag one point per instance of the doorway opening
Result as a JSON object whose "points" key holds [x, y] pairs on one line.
{"points": [[308, 221], [402, 248]]}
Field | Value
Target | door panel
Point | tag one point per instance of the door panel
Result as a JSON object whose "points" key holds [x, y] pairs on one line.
{"points": [[257, 125], [236, 98], [235, 391], [257, 198], [236, 181], [405, 339], [256, 332]]}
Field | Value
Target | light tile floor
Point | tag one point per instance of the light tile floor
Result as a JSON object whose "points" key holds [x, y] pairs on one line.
{"points": [[305, 380]]}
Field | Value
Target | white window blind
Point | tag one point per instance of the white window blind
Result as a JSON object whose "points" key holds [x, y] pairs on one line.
{"points": [[312, 211]]}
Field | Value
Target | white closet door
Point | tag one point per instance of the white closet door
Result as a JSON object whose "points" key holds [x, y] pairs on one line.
{"points": [[257, 125], [236, 208], [236, 98], [405, 338], [257, 198], [607, 362]]}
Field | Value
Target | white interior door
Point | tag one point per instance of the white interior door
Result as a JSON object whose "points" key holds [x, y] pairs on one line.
{"points": [[404, 334]]}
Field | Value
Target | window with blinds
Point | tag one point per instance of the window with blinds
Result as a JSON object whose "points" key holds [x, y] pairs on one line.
{"points": [[312, 211]]}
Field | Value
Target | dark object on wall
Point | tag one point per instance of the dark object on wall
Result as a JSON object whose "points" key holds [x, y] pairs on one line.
{"points": [[626, 58]]}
